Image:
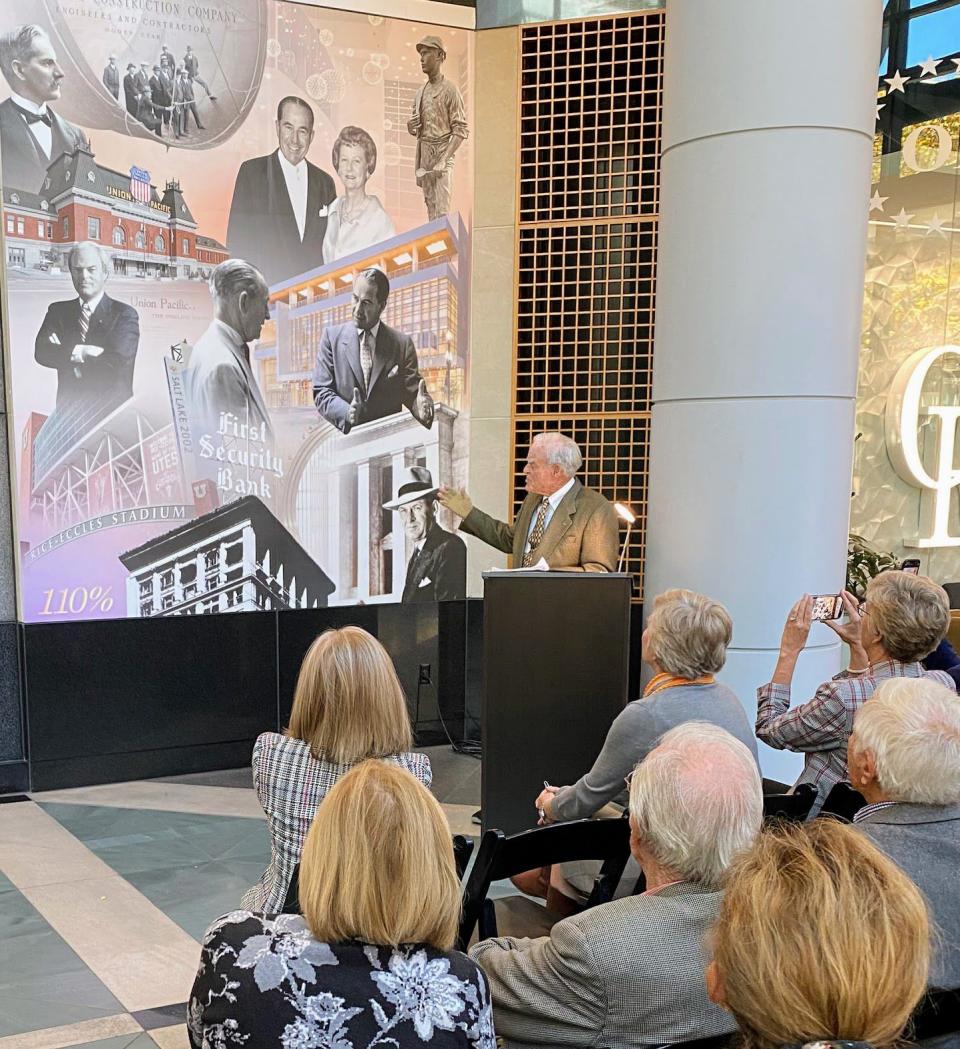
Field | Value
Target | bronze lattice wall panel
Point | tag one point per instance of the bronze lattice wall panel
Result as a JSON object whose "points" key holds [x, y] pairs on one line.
{"points": [[589, 141], [590, 102], [585, 298]]}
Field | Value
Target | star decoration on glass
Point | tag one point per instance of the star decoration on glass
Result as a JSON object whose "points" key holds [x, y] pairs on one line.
{"points": [[897, 82], [929, 66], [877, 202], [902, 220], [880, 106], [935, 225]]}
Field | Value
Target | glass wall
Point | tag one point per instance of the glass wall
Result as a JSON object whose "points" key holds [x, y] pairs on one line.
{"points": [[905, 496], [492, 13]]}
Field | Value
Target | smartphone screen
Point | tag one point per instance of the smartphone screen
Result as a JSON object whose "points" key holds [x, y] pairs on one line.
{"points": [[827, 606], [911, 565]]}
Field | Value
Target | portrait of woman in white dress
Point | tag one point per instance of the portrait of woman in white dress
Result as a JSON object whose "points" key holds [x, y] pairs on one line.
{"points": [[356, 219]]}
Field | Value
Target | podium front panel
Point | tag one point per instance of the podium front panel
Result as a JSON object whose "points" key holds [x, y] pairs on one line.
{"points": [[556, 666]]}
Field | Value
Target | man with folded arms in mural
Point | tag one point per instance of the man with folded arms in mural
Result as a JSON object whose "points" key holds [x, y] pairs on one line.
{"points": [[219, 378], [439, 124], [32, 136], [91, 340], [366, 370], [437, 569]]}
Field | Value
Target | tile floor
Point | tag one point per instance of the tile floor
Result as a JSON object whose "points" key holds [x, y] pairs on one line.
{"points": [[105, 893]]}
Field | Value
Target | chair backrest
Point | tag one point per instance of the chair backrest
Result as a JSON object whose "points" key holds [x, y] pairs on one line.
{"points": [[462, 851], [498, 857], [953, 594], [793, 808], [843, 801], [718, 1041], [938, 1014]]}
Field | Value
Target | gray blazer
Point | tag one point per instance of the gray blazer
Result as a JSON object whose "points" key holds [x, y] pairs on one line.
{"points": [[924, 841], [627, 973], [637, 729]]}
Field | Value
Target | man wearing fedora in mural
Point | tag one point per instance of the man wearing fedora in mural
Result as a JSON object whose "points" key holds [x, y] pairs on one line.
{"points": [[439, 124], [437, 569], [32, 136], [365, 369]]}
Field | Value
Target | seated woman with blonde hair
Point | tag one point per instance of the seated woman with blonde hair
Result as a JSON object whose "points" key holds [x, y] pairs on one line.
{"points": [[348, 706], [370, 961], [820, 939]]}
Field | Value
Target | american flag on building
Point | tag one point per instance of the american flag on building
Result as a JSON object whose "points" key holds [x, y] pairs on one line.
{"points": [[140, 184]]}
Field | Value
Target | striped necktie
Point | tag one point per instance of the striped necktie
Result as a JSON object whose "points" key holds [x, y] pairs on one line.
{"points": [[366, 357], [536, 536], [85, 313]]}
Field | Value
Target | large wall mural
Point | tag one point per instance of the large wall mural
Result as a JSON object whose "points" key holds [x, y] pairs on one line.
{"points": [[237, 246]]}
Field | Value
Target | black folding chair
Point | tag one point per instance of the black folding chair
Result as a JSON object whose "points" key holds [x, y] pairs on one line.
{"points": [[937, 1015], [718, 1041], [843, 802], [499, 857], [791, 808], [462, 851]]}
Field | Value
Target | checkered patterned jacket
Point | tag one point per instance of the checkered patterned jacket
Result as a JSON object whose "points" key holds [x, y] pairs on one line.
{"points": [[624, 974], [290, 783], [820, 728]]}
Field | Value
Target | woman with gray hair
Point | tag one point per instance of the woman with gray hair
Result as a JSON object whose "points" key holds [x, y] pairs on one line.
{"points": [[685, 645], [904, 757], [356, 219]]}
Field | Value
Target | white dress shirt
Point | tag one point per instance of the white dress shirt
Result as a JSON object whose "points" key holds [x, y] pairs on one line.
{"points": [[553, 501], [296, 180], [40, 131]]}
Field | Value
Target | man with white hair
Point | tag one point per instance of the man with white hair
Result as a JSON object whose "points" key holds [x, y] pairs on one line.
{"points": [[904, 758], [630, 972], [561, 524], [219, 379], [32, 136], [90, 340]]}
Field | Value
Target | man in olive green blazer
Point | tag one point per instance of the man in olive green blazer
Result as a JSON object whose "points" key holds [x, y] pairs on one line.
{"points": [[560, 525]]}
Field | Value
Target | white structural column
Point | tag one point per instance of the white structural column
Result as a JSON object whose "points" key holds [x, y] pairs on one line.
{"points": [[767, 144]]}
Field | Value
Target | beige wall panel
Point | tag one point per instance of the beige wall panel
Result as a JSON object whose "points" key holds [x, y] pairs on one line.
{"points": [[491, 323], [496, 107]]}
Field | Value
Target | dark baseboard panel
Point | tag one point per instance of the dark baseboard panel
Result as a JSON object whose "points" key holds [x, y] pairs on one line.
{"points": [[14, 777], [140, 764]]}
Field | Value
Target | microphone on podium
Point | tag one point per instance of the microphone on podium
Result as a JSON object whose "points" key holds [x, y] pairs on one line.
{"points": [[625, 514]]}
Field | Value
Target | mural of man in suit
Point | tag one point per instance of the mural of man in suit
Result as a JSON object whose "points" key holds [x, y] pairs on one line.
{"points": [[111, 77], [219, 378], [32, 136], [366, 370], [278, 217], [91, 340], [130, 93], [437, 569], [161, 91]]}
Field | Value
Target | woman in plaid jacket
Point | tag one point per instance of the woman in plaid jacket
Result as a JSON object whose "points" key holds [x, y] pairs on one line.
{"points": [[348, 706]]}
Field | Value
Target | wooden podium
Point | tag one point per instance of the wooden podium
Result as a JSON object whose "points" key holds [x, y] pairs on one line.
{"points": [[556, 664]]}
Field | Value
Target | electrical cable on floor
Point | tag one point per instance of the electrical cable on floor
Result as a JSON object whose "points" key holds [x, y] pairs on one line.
{"points": [[472, 748]]}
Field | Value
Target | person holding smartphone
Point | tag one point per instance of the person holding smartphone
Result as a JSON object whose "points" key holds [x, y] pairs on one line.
{"points": [[903, 619]]}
